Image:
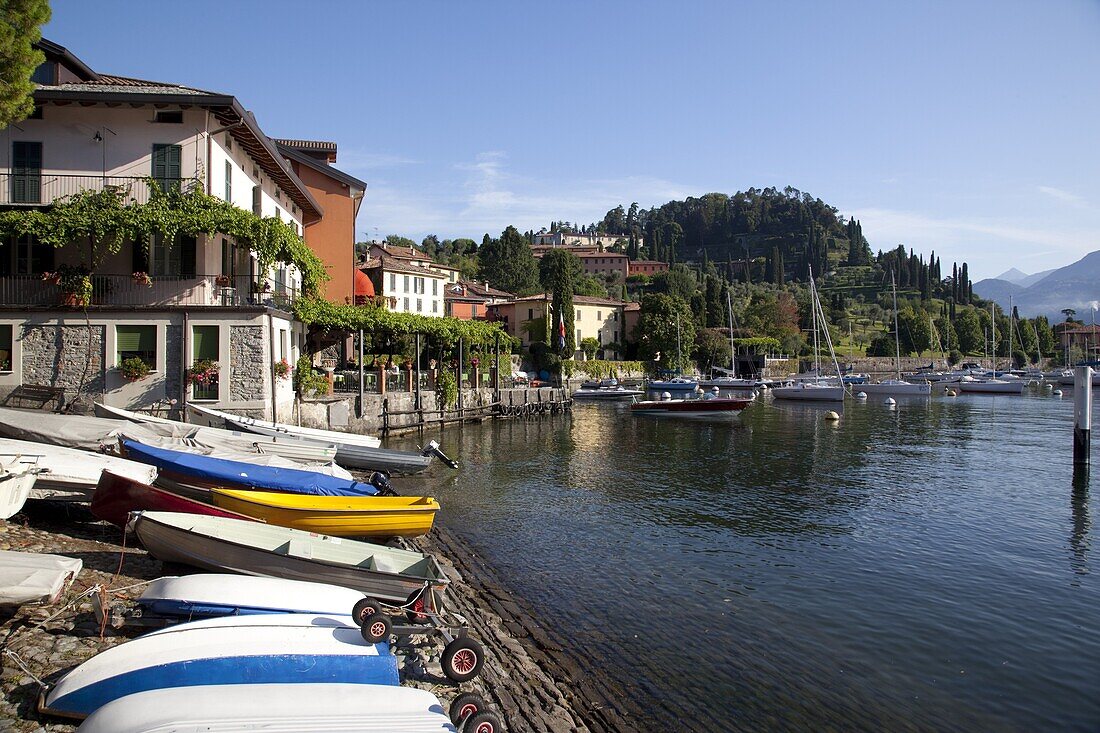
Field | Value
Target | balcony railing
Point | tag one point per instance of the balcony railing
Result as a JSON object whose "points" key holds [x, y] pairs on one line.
{"points": [[40, 189], [125, 290]]}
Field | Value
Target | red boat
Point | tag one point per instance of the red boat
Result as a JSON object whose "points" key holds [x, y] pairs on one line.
{"points": [[116, 496], [704, 407]]}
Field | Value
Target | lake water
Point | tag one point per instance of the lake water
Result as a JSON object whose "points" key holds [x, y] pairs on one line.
{"points": [[927, 567]]}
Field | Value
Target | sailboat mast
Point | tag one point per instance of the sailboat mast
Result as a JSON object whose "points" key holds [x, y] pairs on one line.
{"points": [[733, 354], [1011, 324], [678, 367], [813, 314], [897, 336], [993, 335]]}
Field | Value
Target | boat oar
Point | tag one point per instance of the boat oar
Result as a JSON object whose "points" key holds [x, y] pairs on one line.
{"points": [[434, 450]]}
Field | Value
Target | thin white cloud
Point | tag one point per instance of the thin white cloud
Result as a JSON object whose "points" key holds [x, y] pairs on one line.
{"points": [[1064, 196], [988, 246]]}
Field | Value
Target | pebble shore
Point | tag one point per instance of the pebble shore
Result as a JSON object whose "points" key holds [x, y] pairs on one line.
{"points": [[525, 677]]}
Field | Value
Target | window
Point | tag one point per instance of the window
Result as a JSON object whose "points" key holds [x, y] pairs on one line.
{"points": [[46, 73], [435, 306], [172, 118], [406, 305], [30, 257], [578, 314], [26, 172], [282, 343], [435, 287], [599, 315], [139, 341], [406, 288], [228, 141], [530, 314], [174, 259], [257, 200], [37, 114], [419, 305], [228, 181], [393, 283], [205, 346], [5, 347], [228, 261], [616, 316], [166, 166]]}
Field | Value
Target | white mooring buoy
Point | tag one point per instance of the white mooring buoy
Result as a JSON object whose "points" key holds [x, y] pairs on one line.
{"points": [[1057, 393], [952, 393], [861, 396], [831, 416], [890, 401]]}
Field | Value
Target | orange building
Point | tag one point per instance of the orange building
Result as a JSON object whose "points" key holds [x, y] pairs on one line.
{"points": [[647, 267], [332, 237], [470, 301]]}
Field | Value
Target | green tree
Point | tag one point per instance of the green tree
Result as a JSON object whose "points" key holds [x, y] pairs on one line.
{"points": [[20, 28], [914, 331], [589, 346], [396, 240], [712, 347], [559, 270], [678, 282], [663, 318], [590, 285], [1044, 335], [508, 264], [968, 328]]}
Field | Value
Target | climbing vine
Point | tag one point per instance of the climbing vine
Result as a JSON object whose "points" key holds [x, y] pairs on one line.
{"points": [[378, 321], [108, 218]]}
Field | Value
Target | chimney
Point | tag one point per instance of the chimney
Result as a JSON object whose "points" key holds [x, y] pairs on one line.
{"points": [[486, 286]]}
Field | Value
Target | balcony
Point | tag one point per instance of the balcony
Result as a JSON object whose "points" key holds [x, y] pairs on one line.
{"points": [[41, 189], [125, 290]]}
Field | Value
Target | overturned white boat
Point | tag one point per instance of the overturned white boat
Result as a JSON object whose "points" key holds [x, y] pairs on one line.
{"points": [[16, 479], [232, 650], [220, 594], [68, 474], [33, 577], [332, 708]]}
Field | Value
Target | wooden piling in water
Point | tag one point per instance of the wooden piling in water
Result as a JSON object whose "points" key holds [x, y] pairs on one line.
{"points": [[1082, 415]]}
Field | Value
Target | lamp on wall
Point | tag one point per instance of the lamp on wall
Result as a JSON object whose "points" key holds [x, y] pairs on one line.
{"points": [[97, 137]]}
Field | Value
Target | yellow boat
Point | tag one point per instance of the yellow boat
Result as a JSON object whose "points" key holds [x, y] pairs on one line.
{"points": [[339, 516]]}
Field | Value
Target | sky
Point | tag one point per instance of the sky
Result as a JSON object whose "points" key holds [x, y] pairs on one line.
{"points": [[965, 127]]}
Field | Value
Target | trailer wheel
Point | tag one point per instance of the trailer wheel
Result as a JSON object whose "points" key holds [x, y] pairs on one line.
{"points": [[483, 722], [465, 705], [462, 659], [365, 608], [376, 628], [415, 605]]}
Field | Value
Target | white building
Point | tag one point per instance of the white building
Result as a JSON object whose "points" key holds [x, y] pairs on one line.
{"points": [[407, 288], [205, 297]]}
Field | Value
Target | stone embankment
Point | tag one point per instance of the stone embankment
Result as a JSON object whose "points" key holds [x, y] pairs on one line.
{"points": [[525, 676]]}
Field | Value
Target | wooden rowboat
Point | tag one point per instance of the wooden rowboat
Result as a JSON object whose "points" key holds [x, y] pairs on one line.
{"points": [[265, 550], [116, 496], [341, 516]]}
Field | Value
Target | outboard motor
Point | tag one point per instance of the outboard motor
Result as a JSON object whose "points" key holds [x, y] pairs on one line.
{"points": [[381, 481], [434, 450]]}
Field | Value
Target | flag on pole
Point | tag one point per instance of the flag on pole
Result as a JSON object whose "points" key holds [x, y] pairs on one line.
{"points": [[561, 335]]}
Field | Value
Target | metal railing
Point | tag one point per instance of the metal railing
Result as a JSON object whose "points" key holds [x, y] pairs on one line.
{"points": [[169, 290], [42, 188]]}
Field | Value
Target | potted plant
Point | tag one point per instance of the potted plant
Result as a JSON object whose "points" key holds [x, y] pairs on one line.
{"points": [[202, 372], [223, 281], [262, 286], [134, 368], [142, 278], [282, 369], [75, 282]]}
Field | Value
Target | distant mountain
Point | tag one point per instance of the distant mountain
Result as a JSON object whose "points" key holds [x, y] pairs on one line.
{"points": [[1013, 276], [1022, 279], [998, 289], [1074, 286]]}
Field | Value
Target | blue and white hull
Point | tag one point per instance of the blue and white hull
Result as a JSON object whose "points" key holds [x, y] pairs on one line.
{"points": [[236, 650]]}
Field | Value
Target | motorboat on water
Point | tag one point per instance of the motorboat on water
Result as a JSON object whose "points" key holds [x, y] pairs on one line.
{"points": [[617, 392], [817, 391], [676, 384], [1003, 385], [709, 405]]}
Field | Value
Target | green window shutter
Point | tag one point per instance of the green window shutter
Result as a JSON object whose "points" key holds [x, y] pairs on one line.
{"points": [[136, 338], [166, 166], [187, 255], [204, 342], [26, 169]]}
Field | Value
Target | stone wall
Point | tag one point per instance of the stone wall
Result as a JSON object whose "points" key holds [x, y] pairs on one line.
{"points": [[246, 363], [65, 356]]}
